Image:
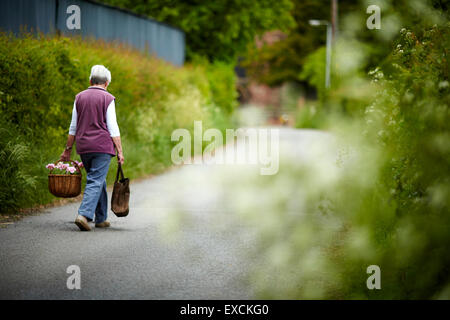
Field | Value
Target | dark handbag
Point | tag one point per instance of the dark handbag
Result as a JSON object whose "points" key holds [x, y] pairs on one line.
{"points": [[120, 195]]}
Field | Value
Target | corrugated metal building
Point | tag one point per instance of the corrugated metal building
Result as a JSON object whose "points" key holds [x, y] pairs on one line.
{"points": [[96, 20]]}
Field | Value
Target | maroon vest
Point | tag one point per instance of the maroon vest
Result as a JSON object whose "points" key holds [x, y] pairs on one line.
{"points": [[92, 133]]}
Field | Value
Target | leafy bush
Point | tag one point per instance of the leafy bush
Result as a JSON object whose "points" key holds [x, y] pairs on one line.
{"points": [[314, 71], [310, 116], [17, 186], [41, 76]]}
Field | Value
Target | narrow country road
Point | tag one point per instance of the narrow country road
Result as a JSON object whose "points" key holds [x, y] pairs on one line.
{"points": [[177, 243]]}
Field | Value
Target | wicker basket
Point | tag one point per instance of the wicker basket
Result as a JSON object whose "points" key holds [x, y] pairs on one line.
{"points": [[65, 185]]}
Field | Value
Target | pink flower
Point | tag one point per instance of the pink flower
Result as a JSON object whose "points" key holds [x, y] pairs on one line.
{"points": [[50, 166], [59, 165], [80, 164], [71, 169]]}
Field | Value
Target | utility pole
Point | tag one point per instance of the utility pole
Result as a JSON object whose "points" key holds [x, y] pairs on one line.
{"points": [[334, 20]]}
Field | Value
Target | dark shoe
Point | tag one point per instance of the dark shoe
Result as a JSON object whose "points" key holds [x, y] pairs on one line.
{"points": [[104, 224], [82, 223]]}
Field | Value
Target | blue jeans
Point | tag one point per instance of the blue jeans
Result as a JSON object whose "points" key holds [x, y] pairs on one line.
{"points": [[95, 198]]}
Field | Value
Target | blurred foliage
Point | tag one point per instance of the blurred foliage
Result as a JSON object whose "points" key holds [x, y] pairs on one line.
{"points": [[387, 201], [307, 117], [216, 29], [40, 78], [314, 71]]}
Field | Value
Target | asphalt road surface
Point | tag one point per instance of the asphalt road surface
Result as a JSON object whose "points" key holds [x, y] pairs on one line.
{"points": [[178, 242]]}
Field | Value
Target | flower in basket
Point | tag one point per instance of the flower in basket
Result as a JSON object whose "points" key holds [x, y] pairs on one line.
{"points": [[80, 164], [63, 168], [71, 169], [64, 180]]}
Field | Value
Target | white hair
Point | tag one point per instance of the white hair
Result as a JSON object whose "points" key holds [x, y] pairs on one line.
{"points": [[99, 74]]}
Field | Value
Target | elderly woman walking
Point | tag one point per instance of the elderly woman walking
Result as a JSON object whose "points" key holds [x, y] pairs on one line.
{"points": [[95, 130]]}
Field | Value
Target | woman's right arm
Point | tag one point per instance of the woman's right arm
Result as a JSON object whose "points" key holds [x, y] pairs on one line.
{"points": [[65, 156]]}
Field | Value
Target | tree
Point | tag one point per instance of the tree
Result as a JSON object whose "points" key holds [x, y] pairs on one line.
{"points": [[217, 29], [283, 61]]}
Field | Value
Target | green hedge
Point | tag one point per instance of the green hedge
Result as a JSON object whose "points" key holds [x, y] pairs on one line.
{"points": [[40, 78]]}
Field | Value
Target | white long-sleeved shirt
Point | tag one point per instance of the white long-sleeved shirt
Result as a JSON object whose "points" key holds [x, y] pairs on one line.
{"points": [[111, 120]]}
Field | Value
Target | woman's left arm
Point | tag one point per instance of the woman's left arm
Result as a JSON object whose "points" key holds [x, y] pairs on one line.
{"points": [[113, 128]]}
